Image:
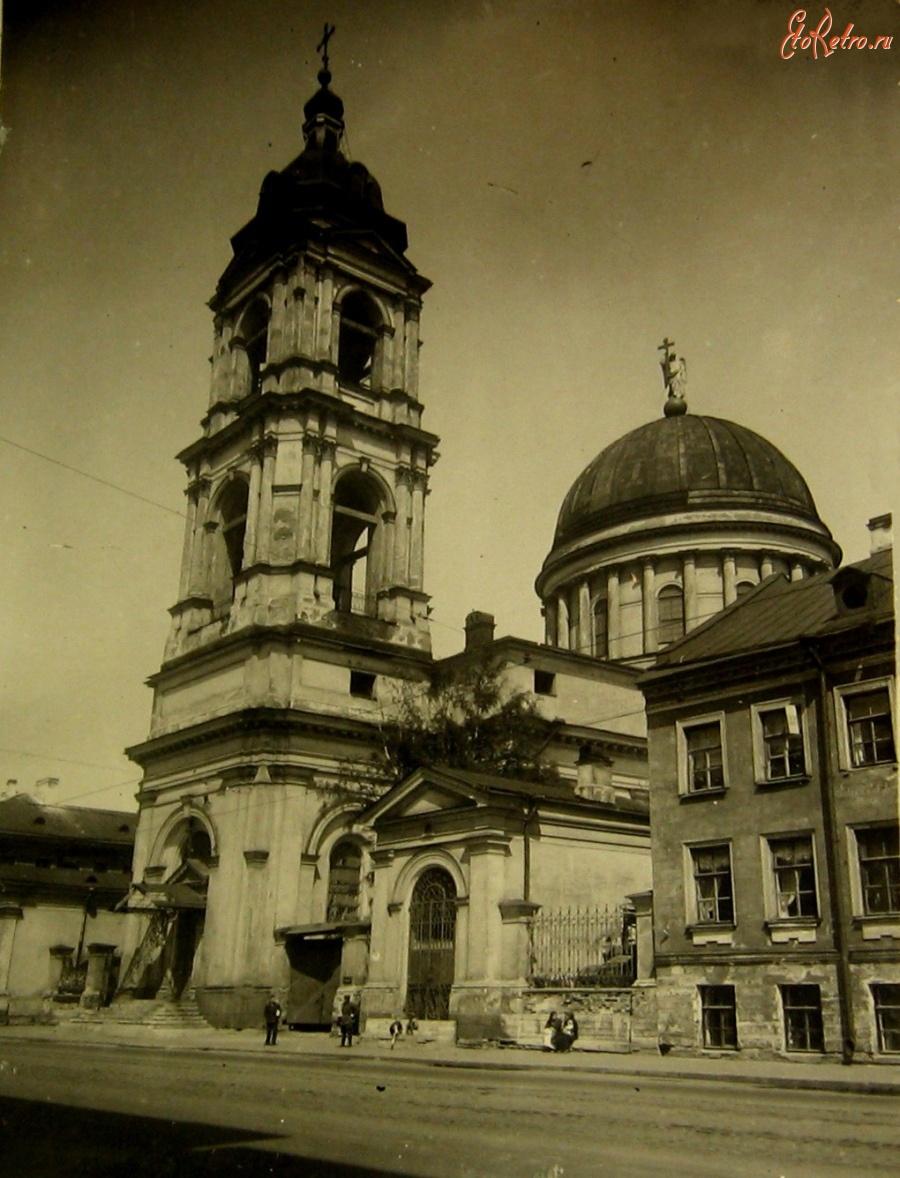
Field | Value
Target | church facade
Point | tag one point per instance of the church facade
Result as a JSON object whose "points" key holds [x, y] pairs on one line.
{"points": [[301, 616]]}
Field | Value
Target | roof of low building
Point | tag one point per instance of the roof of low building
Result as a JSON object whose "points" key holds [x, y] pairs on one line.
{"points": [[22, 815], [781, 611]]}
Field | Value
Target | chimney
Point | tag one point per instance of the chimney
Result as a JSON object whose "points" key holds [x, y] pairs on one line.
{"points": [[479, 630], [44, 790], [880, 536]]}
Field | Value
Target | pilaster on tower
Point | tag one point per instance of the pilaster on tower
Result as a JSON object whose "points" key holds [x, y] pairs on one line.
{"points": [[306, 490]]}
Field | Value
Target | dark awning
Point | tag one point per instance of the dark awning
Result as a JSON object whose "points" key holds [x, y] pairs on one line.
{"points": [[334, 928]]}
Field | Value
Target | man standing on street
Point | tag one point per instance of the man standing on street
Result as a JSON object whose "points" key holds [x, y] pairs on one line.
{"points": [[347, 1022], [273, 1017]]}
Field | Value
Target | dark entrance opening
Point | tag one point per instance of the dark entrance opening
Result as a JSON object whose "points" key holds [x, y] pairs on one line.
{"points": [[186, 933], [432, 940], [315, 975]]}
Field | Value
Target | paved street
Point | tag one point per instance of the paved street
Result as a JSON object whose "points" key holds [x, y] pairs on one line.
{"points": [[102, 1111]]}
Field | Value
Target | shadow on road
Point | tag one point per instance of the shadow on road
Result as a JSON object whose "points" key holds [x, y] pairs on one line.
{"points": [[40, 1140]]}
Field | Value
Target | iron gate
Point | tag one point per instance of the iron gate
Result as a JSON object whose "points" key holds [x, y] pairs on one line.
{"points": [[432, 933]]}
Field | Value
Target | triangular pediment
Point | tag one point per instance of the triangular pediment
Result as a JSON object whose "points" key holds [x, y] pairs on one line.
{"points": [[423, 792]]}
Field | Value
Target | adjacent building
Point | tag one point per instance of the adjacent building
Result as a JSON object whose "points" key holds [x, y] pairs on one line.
{"points": [[63, 872], [776, 865]]}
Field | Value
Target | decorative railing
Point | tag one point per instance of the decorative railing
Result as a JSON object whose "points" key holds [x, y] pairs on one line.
{"points": [[582, 947], [355, 603]]}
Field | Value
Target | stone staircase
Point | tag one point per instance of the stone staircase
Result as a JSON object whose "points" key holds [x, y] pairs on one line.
{"points": [[146, 1012]]}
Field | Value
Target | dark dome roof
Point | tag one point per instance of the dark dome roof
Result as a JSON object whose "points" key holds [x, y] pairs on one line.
{"points": [[678, 463]]}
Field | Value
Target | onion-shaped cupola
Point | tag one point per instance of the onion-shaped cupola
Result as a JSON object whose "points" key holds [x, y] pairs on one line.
{"points": [[671, 523]]}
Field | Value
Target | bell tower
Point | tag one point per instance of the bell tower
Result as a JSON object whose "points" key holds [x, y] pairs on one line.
{"points": [[306, 491], [301, 602]]}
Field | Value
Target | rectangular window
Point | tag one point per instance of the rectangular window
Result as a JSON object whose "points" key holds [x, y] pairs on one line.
{"points": [[802, 1006], [712, 884], [362, 684], [705, 764], [870, 729], [719, 1016], [544, 683], [879, 868], [795, 877], [887, 1015], [782, 743]]}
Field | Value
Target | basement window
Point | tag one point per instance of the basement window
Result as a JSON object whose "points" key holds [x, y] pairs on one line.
{"points": [[544, 683], [362, 684]]}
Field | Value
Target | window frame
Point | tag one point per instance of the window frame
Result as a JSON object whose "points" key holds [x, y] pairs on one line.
{"points": [[695, 922], [707, 1008], [663, 593], [878, 1008], [682, 727], [845, 745], [771, 893], [858, 886], [813, 1034], [760, 755]]}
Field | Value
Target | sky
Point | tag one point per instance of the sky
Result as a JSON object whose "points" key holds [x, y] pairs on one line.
{"points": [[579, 178]]}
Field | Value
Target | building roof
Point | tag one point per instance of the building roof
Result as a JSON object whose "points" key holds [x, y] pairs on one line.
{"points": [[780, 611], [678, 463], [22, 815]]}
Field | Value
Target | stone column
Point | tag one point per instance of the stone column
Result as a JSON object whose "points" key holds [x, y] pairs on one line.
{"points": [[279, 328], [517, 916], [307, 501], [613, 611], [184, 586], [643, 911], [729, 578], [766, 567], [99, 959], [401, 528], [411, 353], [550, 623], [585, 629], [797, 570], [562, 621], [486, 885], [10, 915], [325, 308], [417, 529], [198, 547], [250, 533], [323, 514], [689, 580], [267, 480], [648, 608]]}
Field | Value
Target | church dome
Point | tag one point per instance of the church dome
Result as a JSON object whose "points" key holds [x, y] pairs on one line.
{"points": [[681, 463]]}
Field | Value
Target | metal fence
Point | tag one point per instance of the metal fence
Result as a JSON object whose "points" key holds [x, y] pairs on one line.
{"points": [[576, 947]]}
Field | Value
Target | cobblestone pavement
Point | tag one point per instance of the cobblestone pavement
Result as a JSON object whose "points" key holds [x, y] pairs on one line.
{"points": [[784, 1073]]}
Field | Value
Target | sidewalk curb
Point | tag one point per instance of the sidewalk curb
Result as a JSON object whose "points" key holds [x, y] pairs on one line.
{"points": [[867, 1087]]}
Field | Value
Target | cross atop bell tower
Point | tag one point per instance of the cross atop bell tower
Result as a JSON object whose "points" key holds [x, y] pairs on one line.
{"points": [[306, 492]]}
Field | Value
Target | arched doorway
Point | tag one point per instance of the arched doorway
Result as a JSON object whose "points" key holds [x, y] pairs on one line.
{"points": [[432, 944]]}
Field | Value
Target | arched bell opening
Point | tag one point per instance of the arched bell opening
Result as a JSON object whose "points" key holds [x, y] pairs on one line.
{"points": [[357, 543], [229, 519], [252, 336], [359, 340]]}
